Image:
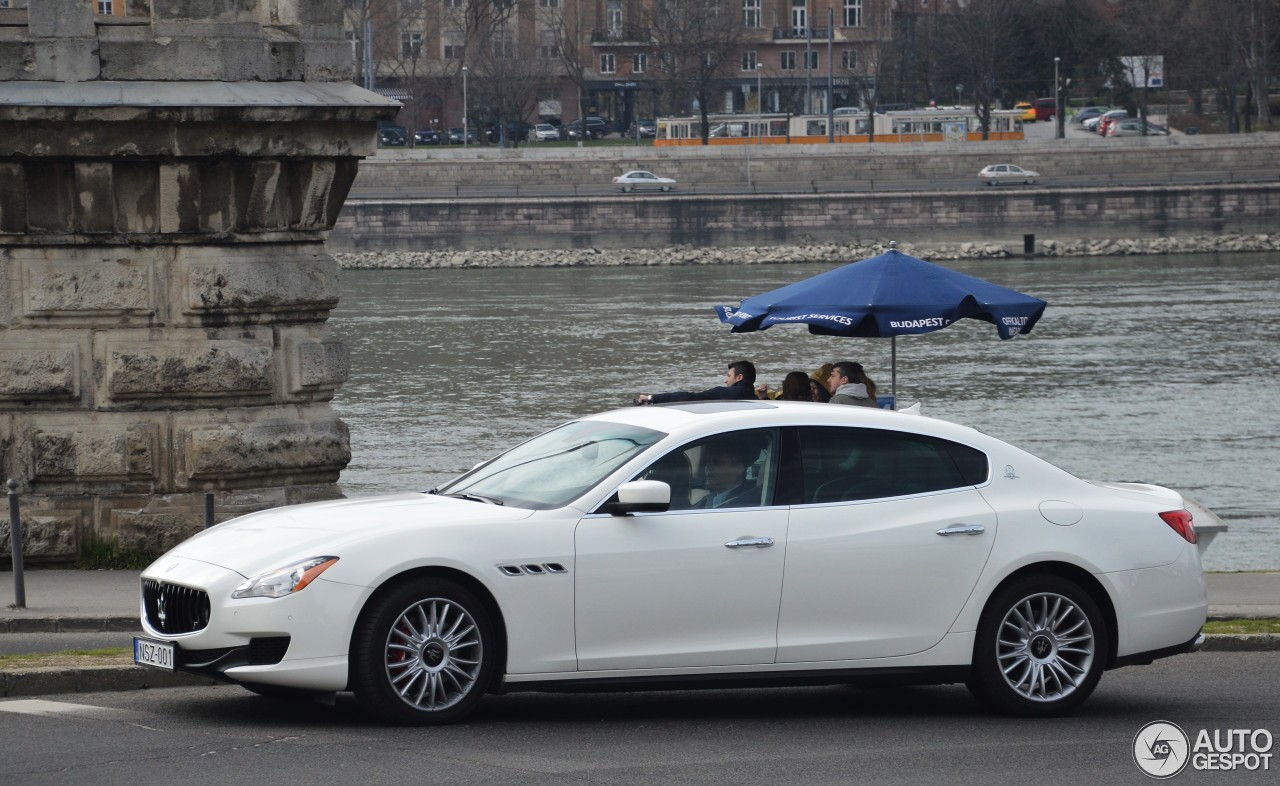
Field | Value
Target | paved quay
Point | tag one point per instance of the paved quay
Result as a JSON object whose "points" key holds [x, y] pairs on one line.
{"points": [[74, 601]]}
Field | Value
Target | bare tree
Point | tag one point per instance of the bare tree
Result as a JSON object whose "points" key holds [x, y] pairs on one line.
{"points": [[979, 36], [696, 43], [568, 33]]}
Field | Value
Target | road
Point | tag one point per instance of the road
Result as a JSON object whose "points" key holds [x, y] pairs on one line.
{"points": [[776, 736], [734, 184]]}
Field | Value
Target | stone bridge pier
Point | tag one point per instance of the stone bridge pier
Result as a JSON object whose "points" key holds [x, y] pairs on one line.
{"points": [[167, 182]]}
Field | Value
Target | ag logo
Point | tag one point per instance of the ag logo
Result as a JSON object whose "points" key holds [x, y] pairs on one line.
{"points": [[1161, 749]]}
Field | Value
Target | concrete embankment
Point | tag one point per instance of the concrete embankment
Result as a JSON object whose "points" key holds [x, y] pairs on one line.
{"points": [[691, 255]]}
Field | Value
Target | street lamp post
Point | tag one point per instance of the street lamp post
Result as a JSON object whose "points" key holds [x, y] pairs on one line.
{"points": [[959, 95], [1057, 100], [759, 101], [465, 128]]}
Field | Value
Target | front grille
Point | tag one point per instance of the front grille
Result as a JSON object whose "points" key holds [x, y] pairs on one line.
{"points": [[174, 609]]}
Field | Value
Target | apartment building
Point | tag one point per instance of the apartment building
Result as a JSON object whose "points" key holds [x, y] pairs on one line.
{"points": [[621, 59]]}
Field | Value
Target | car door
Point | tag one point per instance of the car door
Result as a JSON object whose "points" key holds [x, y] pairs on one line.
{"points": [[695, 585], [885, 547]]}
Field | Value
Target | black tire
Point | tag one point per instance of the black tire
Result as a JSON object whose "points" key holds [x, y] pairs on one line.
{"points": [[423, 653], [625, 189], [666, 188], [1040, 648]]}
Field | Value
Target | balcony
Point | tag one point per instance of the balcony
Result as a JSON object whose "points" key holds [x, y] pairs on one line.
{"points": [[800, 33], [624, 35]]}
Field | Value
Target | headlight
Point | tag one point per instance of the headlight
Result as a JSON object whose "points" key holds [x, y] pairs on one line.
{"points": [[284, 581]]}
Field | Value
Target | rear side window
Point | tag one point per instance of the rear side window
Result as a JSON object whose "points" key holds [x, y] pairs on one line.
{"points": [[845, 464]]}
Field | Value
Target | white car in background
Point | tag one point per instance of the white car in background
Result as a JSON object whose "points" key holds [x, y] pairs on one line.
{"points": [[544, 132], [996, 174], [702, 543], [638, 179]]}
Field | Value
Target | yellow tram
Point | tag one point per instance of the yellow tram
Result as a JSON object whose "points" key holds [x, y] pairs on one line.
{"points": [[954, 124]]}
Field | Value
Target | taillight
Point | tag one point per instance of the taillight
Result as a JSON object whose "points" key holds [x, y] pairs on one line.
{"points": [[1180, 522]]}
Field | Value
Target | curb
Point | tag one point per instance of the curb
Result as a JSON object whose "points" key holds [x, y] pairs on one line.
{"points": [[94, 679], [70, 624]]}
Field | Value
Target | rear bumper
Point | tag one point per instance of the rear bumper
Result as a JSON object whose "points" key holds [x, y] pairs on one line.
{"points": [[1145, 658]]}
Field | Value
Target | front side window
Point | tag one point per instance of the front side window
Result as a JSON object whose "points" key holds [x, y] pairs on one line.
{"points": [[846, 464], [553, 469], [733, 470]]}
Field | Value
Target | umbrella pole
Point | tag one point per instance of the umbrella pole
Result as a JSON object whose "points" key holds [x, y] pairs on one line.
{"points": [[893, 365]]}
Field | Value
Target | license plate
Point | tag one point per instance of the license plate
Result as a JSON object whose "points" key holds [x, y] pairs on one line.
{"points": [[157, 654]]}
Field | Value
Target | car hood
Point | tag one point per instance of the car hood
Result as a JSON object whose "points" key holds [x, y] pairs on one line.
{"points": [[271, 538]]}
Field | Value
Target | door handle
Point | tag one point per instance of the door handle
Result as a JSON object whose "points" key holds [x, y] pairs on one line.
{"points": [[963, 529], [760, 543]]}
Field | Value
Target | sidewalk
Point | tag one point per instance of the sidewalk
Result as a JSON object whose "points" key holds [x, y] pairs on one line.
{"points": [[72, 601]]}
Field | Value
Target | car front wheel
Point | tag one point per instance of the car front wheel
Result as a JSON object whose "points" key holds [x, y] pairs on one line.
{"points": [[423, 653], [1040, 648]]}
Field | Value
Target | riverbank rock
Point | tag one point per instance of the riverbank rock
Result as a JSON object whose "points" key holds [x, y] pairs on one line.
{"points": [[761, 255]]}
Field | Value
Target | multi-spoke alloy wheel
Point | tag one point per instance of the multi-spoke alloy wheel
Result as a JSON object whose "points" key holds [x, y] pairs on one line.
{"points": [[422, 653], [433, 654], [1040, 648], [1045, 646]]}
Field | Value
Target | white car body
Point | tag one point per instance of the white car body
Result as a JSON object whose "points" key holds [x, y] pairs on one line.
{"points": [[995, 174], [638, 179], [805, 592], [544, 132]]}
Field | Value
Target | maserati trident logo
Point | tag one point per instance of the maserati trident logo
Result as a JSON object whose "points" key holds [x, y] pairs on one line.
{"points": [[1040, 646], [1160, 749], [162, 608]]}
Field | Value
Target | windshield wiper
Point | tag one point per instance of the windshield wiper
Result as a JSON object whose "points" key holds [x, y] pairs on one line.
{"points": [[475, 498]]}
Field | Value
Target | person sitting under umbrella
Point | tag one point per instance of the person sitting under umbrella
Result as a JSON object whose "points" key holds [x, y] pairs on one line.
{"points": [[849, 384], [739, 382]]}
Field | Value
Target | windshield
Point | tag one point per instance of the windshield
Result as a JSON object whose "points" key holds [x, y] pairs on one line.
{"points": [[555, 468]]}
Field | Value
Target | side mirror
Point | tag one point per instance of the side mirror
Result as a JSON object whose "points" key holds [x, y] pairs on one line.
{"points": [[639, 496]]}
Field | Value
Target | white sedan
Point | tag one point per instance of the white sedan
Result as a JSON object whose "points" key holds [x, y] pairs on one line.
{"points": [[638, 179], [743, 542], [996, 174]]}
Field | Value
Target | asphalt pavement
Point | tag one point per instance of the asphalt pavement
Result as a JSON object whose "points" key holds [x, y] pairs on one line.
{"points": [[100, 608]]}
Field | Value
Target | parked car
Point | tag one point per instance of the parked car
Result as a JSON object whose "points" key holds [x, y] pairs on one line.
{"points": [[1028, 111], [516, 131], [544, 132], [392, 136], [644, 129], [454, 136], [1046, 108], [637, 179], [426, 136], [1092, 124], [585, 557], [1088, 113], [1105, 122], [1134, 127], [597, 128], [995, 174]]}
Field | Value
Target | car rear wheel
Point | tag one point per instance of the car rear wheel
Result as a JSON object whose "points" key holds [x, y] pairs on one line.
{"points": [[423, 653], [1040, 648], [625, 189], [666, 188]]}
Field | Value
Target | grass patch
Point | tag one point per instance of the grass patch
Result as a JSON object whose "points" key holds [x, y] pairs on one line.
{"points": [[64, 658], [100, 555], [1246, 626]]}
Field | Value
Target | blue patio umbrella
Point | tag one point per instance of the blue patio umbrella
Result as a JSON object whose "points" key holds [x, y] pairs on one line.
{"points": [[893, 294]]}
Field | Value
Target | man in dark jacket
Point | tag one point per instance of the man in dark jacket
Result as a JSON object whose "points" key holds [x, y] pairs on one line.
{"points": [[739, 382]]}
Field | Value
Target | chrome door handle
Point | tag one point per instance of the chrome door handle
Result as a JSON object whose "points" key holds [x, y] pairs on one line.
{"points": [[760, 543], [963, 529]]}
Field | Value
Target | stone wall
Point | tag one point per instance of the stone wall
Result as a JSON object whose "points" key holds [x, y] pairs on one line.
{"points": [[164, 284]]}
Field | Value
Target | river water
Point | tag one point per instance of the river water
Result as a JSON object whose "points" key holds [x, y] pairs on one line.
{"points": [[1155, 369]]}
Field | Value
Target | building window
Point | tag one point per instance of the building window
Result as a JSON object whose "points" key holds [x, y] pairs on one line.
{"points": [[608, 63], [749, 60], [750, 13], [853, 13], [849, 59], [547, 47], [788, 61], [811, 60], [106, 7], [455, 3], [453, 44], [548, 3], [411, 45], [613, 16], [639, 63], [504, 44]]}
